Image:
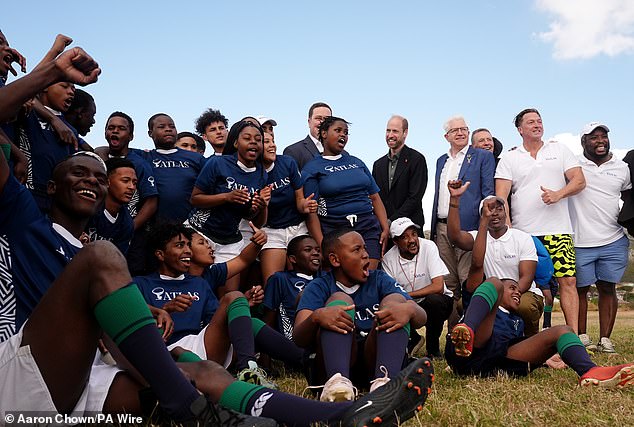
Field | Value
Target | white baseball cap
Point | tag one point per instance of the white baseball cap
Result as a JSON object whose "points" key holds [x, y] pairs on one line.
{"points": [[399, 226], [264, 119], [590, 127]]}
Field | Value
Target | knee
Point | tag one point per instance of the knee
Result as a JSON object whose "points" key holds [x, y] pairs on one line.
{"points": [[102, 257], [563, 329], [390, 300], [230, 297], [340, 296], [606, 288]]}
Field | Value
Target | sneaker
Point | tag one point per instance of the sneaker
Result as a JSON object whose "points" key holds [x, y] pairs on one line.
{"points": [[207, 413], [255, 375], [609, 376], [379, 382], [395, 402], [338, 389], [587, 342], [462, 338], [606, 346]]}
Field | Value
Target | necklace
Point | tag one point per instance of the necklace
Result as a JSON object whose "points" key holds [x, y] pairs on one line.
{"points": [[413, 281]]}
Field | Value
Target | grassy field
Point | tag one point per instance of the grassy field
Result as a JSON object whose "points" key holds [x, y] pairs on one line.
{"points": [[546, 397]]}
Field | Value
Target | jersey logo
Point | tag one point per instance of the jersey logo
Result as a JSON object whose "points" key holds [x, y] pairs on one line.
{"points": [[60, 251], [258, 405]]}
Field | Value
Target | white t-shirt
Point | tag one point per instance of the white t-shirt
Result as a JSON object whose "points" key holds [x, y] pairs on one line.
{"points": [[503, 255], [449, 172], [530, 213], [595, 210], [416, 273]]}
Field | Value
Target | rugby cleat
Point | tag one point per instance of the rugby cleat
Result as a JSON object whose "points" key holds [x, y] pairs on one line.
{"points": [[609, 376], [462, 338]]}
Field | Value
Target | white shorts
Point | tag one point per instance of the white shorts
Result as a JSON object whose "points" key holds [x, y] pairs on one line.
{"points": [[196, 344], [278, 238], [22, 387]]}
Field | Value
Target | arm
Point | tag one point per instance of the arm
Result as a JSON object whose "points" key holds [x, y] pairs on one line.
{"points": [[64, 132], [146, 212], [437, 286], [527, 273], [314, 227], [398, 314], [201, 200], [476, 270], [576, 182], [379, 211], [502, 190], [458, 237], [248, 254], [305, 205]]}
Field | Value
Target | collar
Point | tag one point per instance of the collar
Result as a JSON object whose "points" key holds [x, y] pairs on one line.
{"points": [[503, 238], [270, 168], [67, 236], [347, 290], [304, 276], [463, 151], [170, 151], [583, 159], [503, 310], [394, 157], [181, 277], [57, 113], [109, 217], [318, 144], [337, 157], [245, 168]]}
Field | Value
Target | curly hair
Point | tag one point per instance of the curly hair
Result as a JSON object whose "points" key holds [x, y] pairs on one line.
{"points": [[208, 117]]}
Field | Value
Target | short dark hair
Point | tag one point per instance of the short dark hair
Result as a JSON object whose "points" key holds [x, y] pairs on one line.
{"points": [[293, 247], [116, 162], [234, 132], [331, 241], [317, 105], [520, 116], [479, 130], [328, 122], [81, 101], [162, 233], [123, 116], [150, 121], [198, 139], [208, 117]]}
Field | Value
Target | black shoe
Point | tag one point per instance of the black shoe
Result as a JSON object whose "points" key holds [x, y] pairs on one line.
{"points": [[396, 401], [207, 413]]}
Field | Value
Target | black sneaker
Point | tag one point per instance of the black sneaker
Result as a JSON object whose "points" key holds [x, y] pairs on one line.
{"points": [[207, 413], [396, 401]]}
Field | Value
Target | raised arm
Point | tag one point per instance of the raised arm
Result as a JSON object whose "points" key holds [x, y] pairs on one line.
{"points": [[458, 237]]}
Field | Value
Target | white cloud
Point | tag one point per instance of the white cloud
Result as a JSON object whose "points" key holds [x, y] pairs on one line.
{"points": [[586, 28]]}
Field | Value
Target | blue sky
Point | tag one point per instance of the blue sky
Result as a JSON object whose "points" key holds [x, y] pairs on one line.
{"points": [[427, 61]]}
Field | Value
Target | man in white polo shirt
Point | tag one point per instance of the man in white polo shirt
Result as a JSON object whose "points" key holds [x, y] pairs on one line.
{"points": [[415, 264], [510, 253], [600, 243], [540, 177]]}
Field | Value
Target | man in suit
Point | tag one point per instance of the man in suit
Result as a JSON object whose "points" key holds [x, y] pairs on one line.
{"points": [[401, 175], [465, 163], [305, 150]]}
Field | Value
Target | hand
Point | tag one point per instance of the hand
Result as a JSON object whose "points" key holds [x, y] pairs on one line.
{"points": [[84, 238], [16, 57], [550, 197], [335, 318], [164, 321], [555, 362], [393, 317], [457, 188], [61, 42], [27, 107], [255, 295], [179, 304], [64, 132], [383, 239], [258, 202], [259, 236], [309, 205], [76, 66], [488, 207], [265, 194], [238, 196]]}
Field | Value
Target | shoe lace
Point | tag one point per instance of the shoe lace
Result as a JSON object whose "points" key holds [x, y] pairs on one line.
{"points": [[332, 382], [379, 381]]}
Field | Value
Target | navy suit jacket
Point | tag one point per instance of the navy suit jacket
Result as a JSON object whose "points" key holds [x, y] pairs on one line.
{"points": [[302, 151], [478, 168]]}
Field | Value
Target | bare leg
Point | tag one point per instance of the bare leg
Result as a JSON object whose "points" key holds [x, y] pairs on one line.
{"points": [[569, 300], [217, 340], [273, 260], [608, 306], [538, 348], [583, 308]]}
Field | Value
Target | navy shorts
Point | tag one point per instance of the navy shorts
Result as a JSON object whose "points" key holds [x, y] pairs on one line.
{"points": [[367, 225], [486, 361]]}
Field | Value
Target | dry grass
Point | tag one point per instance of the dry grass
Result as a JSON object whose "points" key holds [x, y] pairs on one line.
{"points": [[545, 398]]}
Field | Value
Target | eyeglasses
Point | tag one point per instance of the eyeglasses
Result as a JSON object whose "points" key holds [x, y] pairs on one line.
{"points": [[456, 130]]}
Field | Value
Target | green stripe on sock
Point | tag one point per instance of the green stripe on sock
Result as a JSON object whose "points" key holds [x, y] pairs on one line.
{"points": [[239, 307], [123, 312], [548, 309], [407, 328], [488, 292], [237, 395], [566, 341], [6, 150], [257, 325], [339, 302], [188, 357]]}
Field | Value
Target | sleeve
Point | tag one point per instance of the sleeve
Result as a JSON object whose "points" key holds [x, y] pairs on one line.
{"points": [[505, 168], [627, 182], [207, 176], [388, 285], [528, 252], [435, 266], [569, 160], [311, 182], [487, 172], [145, 179], [272, 292], [314, 296], [294, 175], [217, 275]]}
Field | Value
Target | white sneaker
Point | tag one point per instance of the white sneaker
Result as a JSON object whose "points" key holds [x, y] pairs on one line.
{"points": [[587, 342], [378, 382], [606, 346], [338, 389]]}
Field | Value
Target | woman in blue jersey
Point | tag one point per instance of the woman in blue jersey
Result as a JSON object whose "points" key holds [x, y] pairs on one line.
{"points": [[285, 219], [345, 191], [231, 187]]}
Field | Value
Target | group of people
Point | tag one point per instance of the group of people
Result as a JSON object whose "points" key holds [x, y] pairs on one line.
{"points": [[163, 273]]}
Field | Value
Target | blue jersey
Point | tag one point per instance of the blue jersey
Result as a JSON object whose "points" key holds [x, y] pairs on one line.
{"points": [[33, 253], [282, 290], [284, 179], [146, 187], [157, 291], [366, 298], [43, 149], [119, 230], [508, 326], [342, 187], [175, 172], [215, 276], [545, 269], [222, 174]]}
